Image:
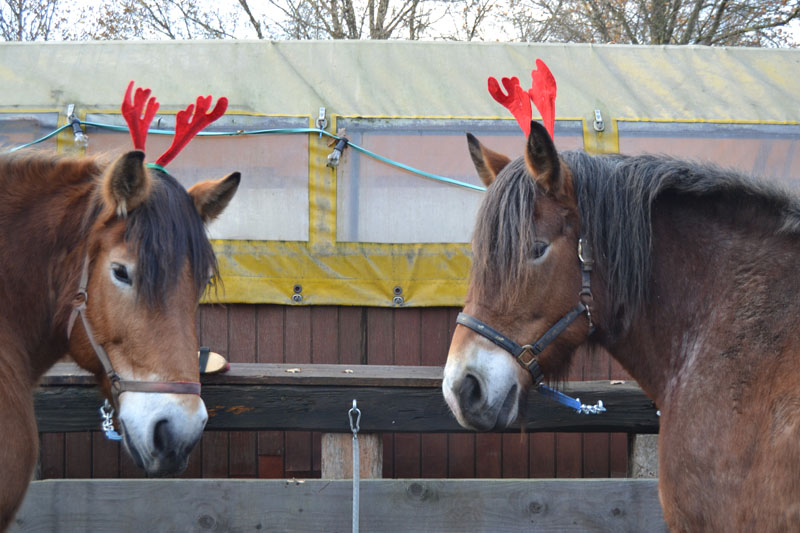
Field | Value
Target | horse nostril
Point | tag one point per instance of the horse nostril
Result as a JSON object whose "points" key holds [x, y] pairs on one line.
{"points": [[470, 393], [162, 439]]}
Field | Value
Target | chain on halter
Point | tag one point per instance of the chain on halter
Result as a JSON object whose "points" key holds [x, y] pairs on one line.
{"points": [[139, 112]]}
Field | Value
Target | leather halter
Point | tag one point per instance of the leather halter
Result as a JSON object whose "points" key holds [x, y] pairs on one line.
{"points": [[118, 385], [526, 355]]}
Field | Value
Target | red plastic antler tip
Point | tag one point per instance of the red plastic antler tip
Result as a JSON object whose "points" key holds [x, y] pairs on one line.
{"points": [[543, 93], [189, 122], [138, 113], [516, 101]]}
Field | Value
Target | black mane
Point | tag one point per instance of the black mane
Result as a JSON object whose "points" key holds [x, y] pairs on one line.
{"points": [[615, 197]]}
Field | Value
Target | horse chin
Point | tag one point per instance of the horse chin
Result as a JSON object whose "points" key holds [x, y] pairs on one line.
{"points": [[163, 465]]}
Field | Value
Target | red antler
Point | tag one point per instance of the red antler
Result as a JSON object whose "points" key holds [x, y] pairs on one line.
{"points": [[517, 101], [189, 122], [138, 124], [543, 94]]}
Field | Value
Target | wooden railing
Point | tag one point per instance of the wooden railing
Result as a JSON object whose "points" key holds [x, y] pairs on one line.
{"points": [[317, 397]]}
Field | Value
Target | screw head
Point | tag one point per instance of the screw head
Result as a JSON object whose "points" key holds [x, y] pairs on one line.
{"points": [[297, 288], [398, 300], [297, 298]]}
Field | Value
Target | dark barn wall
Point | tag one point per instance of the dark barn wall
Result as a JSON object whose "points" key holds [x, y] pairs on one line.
{"points": [[352, 335]]}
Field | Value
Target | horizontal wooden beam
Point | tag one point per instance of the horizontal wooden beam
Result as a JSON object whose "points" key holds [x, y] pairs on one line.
{"points": [[318, 397], [473, 505]]}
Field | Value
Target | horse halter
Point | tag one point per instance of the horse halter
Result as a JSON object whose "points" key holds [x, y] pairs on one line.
{"points": [[526, 355], [118, 385]]}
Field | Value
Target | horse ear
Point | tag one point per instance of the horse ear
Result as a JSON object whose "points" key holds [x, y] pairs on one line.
{"points": [[487, 162], [542, 159], [126, 183], [212, 197]]}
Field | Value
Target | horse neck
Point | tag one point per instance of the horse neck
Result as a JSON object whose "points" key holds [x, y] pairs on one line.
{"points": [[719, 297], [44, 242]]}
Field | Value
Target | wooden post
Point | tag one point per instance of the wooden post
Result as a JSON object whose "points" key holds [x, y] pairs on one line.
{"points": [[337, 455], [644, 456]]}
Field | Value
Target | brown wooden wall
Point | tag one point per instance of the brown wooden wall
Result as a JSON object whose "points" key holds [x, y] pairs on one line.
{"points": [[352, 335]]}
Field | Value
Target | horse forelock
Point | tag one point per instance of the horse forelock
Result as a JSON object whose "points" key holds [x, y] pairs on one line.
{"points": [[504, 237], [166, 231], [615, 196]]}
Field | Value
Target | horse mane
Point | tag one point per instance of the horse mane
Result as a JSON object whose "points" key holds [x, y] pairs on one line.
{"points": [[165, 230], [615, 197]]}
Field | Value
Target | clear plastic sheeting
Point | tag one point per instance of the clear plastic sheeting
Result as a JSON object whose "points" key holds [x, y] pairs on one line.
{"points": [[381, 203], [18, 128], [272, 201], [770, 151]]}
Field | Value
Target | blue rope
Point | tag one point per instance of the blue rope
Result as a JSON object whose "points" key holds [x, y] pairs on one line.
{"points": [[572, 403], [356, 147]]}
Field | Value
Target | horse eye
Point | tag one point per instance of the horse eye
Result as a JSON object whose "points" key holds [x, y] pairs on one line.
{"points": [[539, 249], [121, 273]]}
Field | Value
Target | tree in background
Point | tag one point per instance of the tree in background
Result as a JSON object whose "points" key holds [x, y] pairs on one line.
{"points": [[706, 22], [351, 19], [159, 19], [33, 20]]}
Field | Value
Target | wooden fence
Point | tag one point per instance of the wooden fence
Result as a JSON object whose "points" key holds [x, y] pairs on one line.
{"points": [[401, 506], [305, 335], [397, 399]]}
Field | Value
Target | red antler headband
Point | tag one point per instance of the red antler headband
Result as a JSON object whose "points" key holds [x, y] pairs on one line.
{"points": [[518, 101], [188, 122]]}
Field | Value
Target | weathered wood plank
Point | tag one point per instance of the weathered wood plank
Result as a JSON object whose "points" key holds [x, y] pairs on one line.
{"points": [[324, 505], [286, 374], [385, 409]]}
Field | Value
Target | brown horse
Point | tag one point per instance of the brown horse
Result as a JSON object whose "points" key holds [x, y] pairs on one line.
{"points": [[130, 242], [693, 290]]}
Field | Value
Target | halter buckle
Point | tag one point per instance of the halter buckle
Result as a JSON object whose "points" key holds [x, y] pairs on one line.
{"points": [[526, 357]]}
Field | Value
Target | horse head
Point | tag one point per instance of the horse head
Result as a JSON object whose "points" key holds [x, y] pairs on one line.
{"points": [[147, 265], [526, 278]]}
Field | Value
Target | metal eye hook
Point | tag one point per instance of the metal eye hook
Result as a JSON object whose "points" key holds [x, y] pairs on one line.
{"points": [[354, 415]]}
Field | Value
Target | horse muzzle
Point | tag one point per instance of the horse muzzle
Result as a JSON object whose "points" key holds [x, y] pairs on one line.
{"points": [[161, 430], [483, 388]]}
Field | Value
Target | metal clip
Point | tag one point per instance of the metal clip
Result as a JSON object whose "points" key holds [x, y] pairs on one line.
{"points": [[322, 121], [354, 415], [592, 409], [598, 121], [107, 413], [335, 156], [80, 139]]}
